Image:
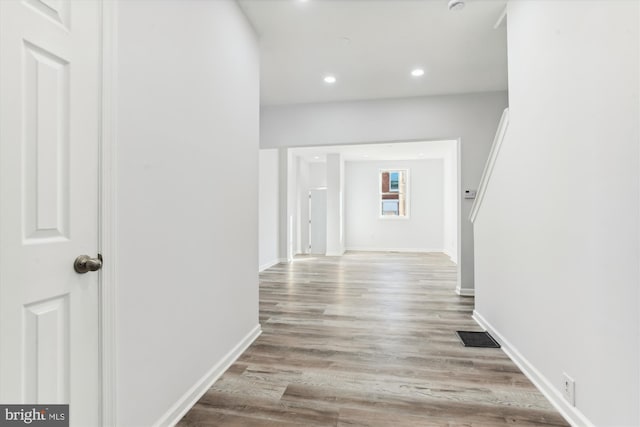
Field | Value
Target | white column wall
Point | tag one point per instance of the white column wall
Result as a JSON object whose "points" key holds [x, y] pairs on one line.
{"points": [[268, 206], [557, 246], [335, 205], [187, 118]]}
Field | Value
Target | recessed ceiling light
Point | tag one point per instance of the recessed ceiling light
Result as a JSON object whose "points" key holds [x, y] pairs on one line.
{"points": [[316, 157], [456, 5], [417, 72], [330, 79], [421, 154], [365, 155]]}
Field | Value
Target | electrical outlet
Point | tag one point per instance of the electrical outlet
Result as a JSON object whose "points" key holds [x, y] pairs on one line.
{"points": [[569, 389]]}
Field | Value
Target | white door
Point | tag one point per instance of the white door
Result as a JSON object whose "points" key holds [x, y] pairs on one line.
{"points": [[318, 221], [49, 137]]}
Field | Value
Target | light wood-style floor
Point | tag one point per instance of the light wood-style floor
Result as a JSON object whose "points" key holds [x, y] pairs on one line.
{"points": [[368, 339]]}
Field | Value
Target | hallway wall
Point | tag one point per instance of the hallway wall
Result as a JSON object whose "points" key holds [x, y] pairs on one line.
{"points": [[421, 231], [471, 117], [268, 207], [557, 237], [451, 211], [187, 201]]}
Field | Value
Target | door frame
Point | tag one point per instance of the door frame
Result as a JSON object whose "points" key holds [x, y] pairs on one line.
{"points": [[107, 211], [309, 224]]}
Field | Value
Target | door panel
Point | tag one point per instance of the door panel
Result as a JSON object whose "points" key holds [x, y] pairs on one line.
{"points": [[318, 224], [46, 351], [56, 10], [49, 139], [46, 145]]}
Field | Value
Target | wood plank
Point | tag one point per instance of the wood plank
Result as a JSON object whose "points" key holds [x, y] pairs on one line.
{"points": [[368, 339]]}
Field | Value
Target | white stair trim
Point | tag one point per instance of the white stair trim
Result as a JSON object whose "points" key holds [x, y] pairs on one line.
{"points": [[488, 167]]}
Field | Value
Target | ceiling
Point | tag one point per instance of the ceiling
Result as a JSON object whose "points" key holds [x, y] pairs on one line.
{"points": [[371, 46], [369, 152]]}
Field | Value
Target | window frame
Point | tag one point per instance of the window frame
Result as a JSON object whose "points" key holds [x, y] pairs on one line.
{"points": [[407, 194]]}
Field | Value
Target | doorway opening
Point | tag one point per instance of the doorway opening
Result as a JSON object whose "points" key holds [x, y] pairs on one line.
{"points": [[349, 175]]}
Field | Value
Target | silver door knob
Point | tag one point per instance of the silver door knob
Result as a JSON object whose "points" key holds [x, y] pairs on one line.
{"points": [[84, 264]]}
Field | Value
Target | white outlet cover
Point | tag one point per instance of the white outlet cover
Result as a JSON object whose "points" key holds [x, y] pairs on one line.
{"points": [[569, 389]]}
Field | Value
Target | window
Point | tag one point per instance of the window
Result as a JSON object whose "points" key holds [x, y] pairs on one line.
{"points": [[393, 193]]}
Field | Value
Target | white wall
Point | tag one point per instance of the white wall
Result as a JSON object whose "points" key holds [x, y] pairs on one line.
{"points": [[335, 205], [473, 118], [187, 199], [318, 221], [287, 216], [302, 208], [317, 175], [450, 196], [557, 248], [423, 230], [268, 205]]}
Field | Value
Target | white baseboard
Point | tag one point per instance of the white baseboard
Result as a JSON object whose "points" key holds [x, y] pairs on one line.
{"points": [[269, 264], [570, 413], [186, 402], [408, 250], [335, 253], [451, 255], [465, 292]]}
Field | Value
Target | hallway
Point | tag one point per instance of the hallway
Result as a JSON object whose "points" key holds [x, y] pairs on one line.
{"points": [[368, 339]]}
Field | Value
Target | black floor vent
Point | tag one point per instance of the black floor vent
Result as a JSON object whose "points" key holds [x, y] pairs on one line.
{"points": [[477, 339]]}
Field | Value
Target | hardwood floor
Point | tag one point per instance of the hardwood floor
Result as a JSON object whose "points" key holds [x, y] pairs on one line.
{"points": [[368, 339]]}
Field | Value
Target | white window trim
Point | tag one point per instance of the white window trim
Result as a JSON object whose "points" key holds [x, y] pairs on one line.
{"points": [[407, 195]]}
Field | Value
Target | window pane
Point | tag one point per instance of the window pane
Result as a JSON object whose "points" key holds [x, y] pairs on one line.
{"points": [[393, 197], [393, 181], [390, 207]]}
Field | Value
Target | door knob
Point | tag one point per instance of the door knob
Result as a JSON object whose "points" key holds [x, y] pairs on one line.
{"points": [[84, 264]]}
